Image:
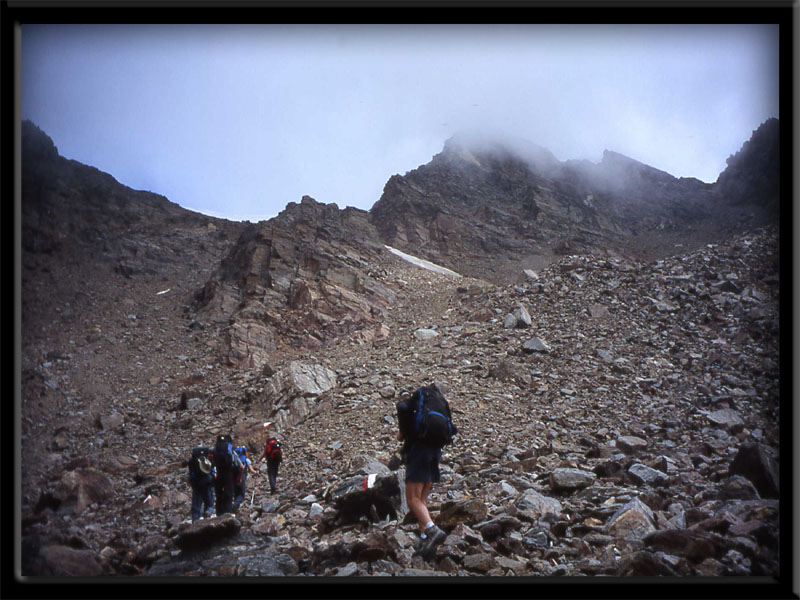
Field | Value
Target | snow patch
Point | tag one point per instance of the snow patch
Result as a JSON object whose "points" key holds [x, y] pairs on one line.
{"points": [[420, 262]]}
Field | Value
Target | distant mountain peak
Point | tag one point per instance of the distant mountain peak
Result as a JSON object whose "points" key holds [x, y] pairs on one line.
{"points": [[479, 147]]}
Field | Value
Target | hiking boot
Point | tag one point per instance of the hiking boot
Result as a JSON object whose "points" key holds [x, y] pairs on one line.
{"points": [[433, 536]]}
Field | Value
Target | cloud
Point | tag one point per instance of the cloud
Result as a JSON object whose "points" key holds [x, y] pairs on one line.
{"points": [[244, 119]]}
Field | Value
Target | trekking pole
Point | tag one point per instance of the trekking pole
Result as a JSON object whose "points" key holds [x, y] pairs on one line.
{"points": [[253, 495]]}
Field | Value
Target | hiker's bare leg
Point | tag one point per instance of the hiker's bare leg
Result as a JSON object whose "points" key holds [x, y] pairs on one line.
{"points": [[417, 502], [426, 489]]}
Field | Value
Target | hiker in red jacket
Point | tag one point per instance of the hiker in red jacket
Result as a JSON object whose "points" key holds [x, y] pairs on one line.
{"points": [[274, 455]]}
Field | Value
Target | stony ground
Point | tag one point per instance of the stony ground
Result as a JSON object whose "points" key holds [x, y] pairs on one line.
{"points": [[622, 443]]}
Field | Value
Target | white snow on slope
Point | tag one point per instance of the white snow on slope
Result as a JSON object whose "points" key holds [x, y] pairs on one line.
{"points": [[420, 262]]}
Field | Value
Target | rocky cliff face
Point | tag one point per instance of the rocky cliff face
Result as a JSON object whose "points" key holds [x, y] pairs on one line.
{"points": [[305, 279], [617, 416], [491, 210], [752, 176]]}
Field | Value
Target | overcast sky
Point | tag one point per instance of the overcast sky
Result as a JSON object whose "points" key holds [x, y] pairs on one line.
{"points": [[239, 120]]}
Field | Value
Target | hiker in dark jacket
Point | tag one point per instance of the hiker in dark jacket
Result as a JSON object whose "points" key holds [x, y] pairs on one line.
{"points": [[274, 455], [240, 484], [421, 459], [201, 478], [223, 484]]}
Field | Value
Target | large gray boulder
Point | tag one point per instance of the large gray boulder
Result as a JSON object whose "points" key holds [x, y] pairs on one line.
{"points": [[292, 394], [644, 475], [532, 501], [568, 480], [535, 345]]}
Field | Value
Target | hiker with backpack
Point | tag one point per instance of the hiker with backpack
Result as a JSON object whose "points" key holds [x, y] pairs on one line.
{"points": [[425, 426], [225, 464], [274, 455], [201, 478], [240, 483]]}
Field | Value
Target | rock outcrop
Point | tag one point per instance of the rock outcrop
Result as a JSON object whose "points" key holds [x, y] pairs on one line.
{"points": [[306, 279]]}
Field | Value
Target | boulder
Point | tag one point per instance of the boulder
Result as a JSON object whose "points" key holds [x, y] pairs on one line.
{"points": [[609, 468], [523, 317], [83, 487], [644, 563], [207, 532], [426, 335], [299, 379], [375, 547], [728, 419], [630, 444], [269, 525], [292, 394], [368, 465], [533, 501], [644, 475], [633, 520], [535, 345], [759, 464], [695, 544], [259, 565], [111, 422], [568, 480], [737, 487], [481, 562], [531, 275], [468, 512], [62, 561]]}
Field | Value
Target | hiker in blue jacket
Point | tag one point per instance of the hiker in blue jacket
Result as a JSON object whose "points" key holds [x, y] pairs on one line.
{"points": [[418, 416], [240, 483]]}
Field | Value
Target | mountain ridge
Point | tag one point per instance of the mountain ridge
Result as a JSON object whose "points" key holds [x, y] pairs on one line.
{"points": [[549, 206], [617, 416]]}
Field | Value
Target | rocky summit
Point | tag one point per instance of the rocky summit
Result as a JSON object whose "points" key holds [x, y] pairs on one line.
{"points": [[608, 337]]}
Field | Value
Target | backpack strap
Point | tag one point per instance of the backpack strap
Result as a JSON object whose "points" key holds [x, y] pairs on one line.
{"points": [[418, 418]]}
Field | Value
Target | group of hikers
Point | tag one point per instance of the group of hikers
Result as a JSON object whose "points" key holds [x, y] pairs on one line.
{"points": [[425, 426], [218, 475]]}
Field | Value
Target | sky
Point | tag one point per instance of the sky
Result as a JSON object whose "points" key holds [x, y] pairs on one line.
{"points": [[237, 121]]}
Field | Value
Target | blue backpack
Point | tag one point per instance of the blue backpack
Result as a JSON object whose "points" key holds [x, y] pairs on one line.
{"points": [[433, 423], [241, 456]]}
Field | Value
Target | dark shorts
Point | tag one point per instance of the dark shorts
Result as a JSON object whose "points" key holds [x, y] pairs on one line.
{"points": [[422, 463]]}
